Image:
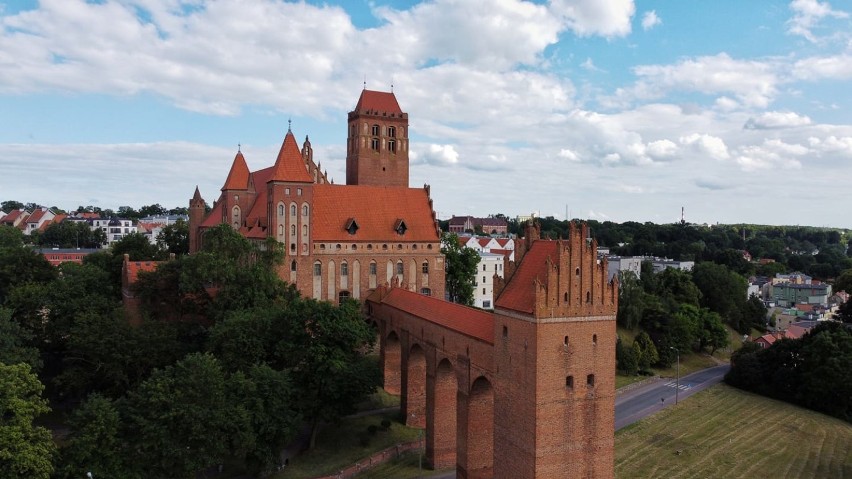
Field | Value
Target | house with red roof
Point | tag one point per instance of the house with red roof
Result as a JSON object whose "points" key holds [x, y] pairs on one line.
{"points": [[469, 224], [339, 240]]}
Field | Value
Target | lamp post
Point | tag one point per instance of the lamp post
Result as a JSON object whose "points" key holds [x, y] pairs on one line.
{"points": [[677, 377]]}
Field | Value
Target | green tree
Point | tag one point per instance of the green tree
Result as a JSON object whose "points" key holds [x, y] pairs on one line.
{"points": [[675, 288], [10, 205], [843, 282], [182, 418], [627, 358], [174, 238], [722, 291], [95, 444], [461, 264], [754, 314], [712, 333], [325, 352], [15, 342], [11, 237], [19, 266], [844, 312], [646, 351], [683, 328], [631, 301], [26, 451]]}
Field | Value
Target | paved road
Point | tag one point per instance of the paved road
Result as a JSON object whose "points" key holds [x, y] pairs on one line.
{"points": [[650, 398]]}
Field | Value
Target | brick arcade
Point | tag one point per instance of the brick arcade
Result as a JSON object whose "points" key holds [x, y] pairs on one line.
{"points": [[527, 391]]}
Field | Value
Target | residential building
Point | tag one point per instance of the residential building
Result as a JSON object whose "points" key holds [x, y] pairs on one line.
{"points": [[470, 224], [490, 265], [661, 265], [57, 256], [619, 264], [790, 294]]}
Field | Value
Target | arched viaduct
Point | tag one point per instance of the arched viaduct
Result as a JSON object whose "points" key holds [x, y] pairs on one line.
{"points": [[524, 392]]}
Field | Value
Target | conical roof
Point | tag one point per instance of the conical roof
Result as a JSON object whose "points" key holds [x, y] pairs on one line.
{"points": [[239, 175], [289, 166]]}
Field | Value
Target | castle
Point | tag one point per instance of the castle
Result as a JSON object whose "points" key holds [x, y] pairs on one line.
{"points": [[525, 391], [339, 241]]}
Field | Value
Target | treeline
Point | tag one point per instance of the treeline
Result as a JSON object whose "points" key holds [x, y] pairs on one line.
{"points": [[814, 372], [819, 252], [225, 365], [680, 312], [127, 212]]}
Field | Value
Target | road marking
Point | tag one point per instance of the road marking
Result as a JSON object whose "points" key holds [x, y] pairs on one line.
{"points": [[682, 387]]}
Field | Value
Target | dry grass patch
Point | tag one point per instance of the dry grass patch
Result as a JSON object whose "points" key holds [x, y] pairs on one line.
{"points": [[725, 432]]}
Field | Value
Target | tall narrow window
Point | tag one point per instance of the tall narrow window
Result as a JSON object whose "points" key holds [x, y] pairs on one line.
{"points": [[399, 268], [376, 131], [392, 146], [425, 267], [317, 269], [392, 131], [344, 269], [374, 144]]}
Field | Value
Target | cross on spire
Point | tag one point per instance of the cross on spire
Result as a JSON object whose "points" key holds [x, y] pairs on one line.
{"points": [[289, 124], [239, 146]]}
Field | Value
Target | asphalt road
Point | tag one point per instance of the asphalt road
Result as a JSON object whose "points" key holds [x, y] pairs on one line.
{"points": [[650, 398]]}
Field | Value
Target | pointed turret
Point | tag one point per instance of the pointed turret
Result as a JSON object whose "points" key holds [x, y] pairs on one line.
{"points": [[238, 177], [289, 166]]}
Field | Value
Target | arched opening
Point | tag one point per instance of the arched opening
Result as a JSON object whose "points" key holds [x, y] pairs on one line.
{"points": [[391, 367], [441, 430], [414, 401], [476, 431]]}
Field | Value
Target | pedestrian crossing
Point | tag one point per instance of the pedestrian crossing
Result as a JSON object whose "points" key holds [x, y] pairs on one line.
{"points": [[682, 387]]}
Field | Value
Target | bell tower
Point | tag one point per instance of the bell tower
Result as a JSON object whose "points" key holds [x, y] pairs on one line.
{"points": [[377, 142]]}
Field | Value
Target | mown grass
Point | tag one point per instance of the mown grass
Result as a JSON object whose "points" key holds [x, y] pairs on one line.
{"points": [[340, 445], [725, 432], [378, 400]]}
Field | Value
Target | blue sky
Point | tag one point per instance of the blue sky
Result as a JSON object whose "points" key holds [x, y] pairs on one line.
{"points": [[607, 109]]}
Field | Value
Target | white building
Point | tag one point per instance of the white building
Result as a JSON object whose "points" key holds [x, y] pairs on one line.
{"points": [[483, 287], [618, 264], [115, 228]]}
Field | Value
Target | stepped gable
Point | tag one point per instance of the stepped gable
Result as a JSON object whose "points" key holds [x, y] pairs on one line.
{"points": [[561, 278], [476, 323], [376, 210], [377, 102], [290, 164], [238, 177]]}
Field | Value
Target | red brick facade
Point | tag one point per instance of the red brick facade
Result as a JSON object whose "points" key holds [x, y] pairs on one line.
{"points": [[339, 240], [525, 392]]}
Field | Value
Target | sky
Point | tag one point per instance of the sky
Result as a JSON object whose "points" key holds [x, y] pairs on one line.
{"points": [[622, 110]]}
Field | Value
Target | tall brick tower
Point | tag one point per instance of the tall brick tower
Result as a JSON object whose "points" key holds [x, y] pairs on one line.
{"points": [[377, 144], [196, 216], [554, 356]]}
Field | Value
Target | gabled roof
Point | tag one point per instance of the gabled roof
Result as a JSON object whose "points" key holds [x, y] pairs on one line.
{"points": [[197, 195], [519, 294], [469, 321], [36, 216], [377, 101], [376, 209], [290, 166], [135, 267], [238, 177], [12, 216]]}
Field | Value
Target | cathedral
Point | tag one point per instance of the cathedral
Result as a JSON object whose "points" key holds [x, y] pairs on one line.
{"points": [[339, 241]]}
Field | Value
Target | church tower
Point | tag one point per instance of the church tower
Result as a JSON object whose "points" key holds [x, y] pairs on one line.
{"points": [[377, 144], [196, 216]]}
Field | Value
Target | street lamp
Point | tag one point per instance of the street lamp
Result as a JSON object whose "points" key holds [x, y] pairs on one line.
{"points": [[677, 378]]}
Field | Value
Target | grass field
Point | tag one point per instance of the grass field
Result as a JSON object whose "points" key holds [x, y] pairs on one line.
{"points": [[725, 432]]}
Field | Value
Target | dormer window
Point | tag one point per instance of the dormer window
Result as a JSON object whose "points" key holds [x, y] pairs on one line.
{"points": [[400, 227], [351, 226]]}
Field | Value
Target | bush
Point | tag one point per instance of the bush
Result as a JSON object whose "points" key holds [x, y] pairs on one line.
{"points": [[372, 429], [386, 424]]}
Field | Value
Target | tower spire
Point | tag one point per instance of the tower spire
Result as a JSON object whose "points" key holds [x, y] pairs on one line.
{"points": [[289, 125]]}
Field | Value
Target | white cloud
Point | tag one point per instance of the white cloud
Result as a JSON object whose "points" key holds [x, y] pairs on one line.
{"points": [[608, 18], [836, 67], [590, 65], [776, 119], [707, 144], [662, 150], [807, 13], [568, 155], [435, 154], [650, 20], [771, 154], [753, 83]]}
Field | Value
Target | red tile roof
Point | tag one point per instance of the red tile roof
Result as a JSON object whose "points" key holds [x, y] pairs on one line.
{"points": [[134, 267], [483, 241], [519, 294], [214, 218], [238, 176], [468, 321], [378, 101], [36, 216], [504, 252], [375, 209], [290, 166], [12, 216], [502, 241]]}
